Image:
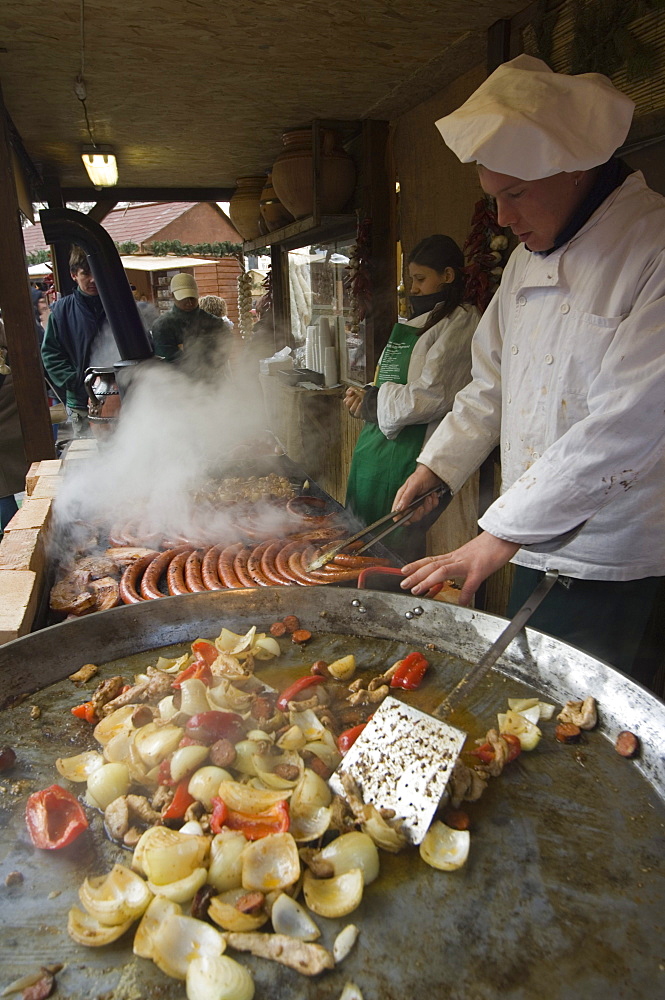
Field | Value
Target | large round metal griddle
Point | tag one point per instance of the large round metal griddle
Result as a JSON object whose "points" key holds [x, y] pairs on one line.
{"points": [[563, 895]]}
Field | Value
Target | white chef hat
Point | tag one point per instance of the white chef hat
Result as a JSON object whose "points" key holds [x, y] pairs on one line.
{"points": [[527, 121]]}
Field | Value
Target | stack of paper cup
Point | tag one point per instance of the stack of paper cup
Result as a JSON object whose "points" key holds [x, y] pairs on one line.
{"points": [[310, 347], [330, 366]]}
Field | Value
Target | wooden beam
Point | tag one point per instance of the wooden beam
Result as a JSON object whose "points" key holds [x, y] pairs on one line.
{"points": [[59, 251], [147, 194], [498, 44], [99, 211], [18, 315]]}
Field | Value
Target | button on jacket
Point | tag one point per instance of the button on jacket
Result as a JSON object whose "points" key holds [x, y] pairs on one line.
{"points": [[569, 375]]}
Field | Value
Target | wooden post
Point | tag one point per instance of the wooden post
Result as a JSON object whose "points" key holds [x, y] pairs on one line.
{"points": [[379, 203], [18, 315], [60, 252]]}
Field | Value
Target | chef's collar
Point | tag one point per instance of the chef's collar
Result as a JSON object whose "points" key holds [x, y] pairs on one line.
{"points": [[611, 175]]}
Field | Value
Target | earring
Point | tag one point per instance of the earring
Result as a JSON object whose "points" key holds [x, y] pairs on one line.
{"points": [[577, 180]]}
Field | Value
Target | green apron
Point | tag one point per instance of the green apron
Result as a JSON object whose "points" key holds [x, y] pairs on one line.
{"points": [[379, 466]]}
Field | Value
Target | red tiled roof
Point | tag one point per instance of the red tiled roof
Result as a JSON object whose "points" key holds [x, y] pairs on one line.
{"points": [[136, 223]]}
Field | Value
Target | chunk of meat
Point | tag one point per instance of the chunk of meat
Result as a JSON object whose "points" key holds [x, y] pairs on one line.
{"points": [[580, 713], [125, 555], [86, 672], [105, 692], [107, 593], [309, 959], [97, 566], [70, 597], [157, 686]]}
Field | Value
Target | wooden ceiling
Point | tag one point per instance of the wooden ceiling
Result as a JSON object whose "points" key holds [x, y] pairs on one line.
{"points": [[195, 93]]}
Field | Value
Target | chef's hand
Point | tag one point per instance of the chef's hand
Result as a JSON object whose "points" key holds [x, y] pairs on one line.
{"points": [[419, 482], [353, 400], [472, 562]]}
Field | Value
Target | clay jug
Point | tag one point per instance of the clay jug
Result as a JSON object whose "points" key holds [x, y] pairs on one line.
{"points": [[244, 206], [293, 173], [272, 211], [103, 400]]}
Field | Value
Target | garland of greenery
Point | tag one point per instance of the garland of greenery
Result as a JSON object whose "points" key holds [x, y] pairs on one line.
{"points": [[160, 250]]}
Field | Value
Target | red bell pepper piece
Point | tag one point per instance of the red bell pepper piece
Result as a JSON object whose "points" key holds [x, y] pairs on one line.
{"points": [[180, 802], [218, 815], [86, 711], [346, 739], [164, 774], [410, 672], [198, 670], [486, 752], [205, 650], [208, 727], [54, 818], [293, 690]]}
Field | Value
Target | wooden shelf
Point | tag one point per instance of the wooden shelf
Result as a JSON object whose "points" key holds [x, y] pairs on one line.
{"points": [[302, 231]]}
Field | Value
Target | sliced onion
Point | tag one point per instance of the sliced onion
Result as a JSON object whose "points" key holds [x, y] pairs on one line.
{"points": [[193, 697], [445, 848], [353, 850], [204, 783], [266, 647], [245, 754], [244, 798], [166, 708], [80, 767], [225, 696], [292, 739], [309, 722], [184, 760], [168, 666], [192, 828], [117, 749], [159, 909], [382, 833], [183, 889], [522, 704], [230, 642], [351, 992], [223, 911], [310, 826], [330, 756], [116, 722], [333, 897], [179, 940], [154, 742], [546, 710], [532, 714], [289, 917], [108, 783], [165, 855], [344, 668], [84, 929], [344, 942], [310, 793], [270, 863], [272, 780], [115, 898], [219, 978], [225, 871], [515, 724]]}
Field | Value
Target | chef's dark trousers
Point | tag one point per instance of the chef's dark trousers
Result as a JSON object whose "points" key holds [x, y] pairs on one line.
{"points": [[605, 618]]}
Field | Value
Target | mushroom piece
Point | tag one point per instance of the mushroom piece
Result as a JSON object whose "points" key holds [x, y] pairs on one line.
{"points": [[580, 713]]}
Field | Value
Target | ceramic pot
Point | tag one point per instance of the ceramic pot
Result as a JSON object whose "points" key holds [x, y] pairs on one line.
{"points": [[272, 211], [103, 400], [244, 209], [293, 173]]}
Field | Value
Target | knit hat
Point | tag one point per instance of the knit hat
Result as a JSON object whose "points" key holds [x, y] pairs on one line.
{"points": [[529, 122]]}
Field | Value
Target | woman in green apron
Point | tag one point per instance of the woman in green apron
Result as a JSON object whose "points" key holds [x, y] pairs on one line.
{"points": [[426, 361]]}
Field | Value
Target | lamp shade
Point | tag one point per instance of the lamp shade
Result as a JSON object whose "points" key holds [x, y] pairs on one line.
{"points": [[100, 162]]}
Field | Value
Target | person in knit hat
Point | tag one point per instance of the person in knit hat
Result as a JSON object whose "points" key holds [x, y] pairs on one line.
{"points": [[568, 364]]}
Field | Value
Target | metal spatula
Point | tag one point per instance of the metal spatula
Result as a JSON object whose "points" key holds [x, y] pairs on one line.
{"points": [[404, 757]]}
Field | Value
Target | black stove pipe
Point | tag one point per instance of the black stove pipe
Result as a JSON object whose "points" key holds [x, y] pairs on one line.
{"points": [[64, 224]]}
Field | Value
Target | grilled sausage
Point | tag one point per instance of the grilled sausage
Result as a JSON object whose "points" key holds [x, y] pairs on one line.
{"points": [[277, 629], [254, 568], [359, 562], [269, 565], [567, 732], [291, 623], [627, 743], [300, 573], [222, 753], [282, 560], [153, 574], [130, 578], [209, 571], [225, 566], [193, 578], [175, 573], [240, 567]]}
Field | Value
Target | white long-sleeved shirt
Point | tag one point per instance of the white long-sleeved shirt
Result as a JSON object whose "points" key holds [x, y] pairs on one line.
{"points": [[440, 365], [569, 374]]}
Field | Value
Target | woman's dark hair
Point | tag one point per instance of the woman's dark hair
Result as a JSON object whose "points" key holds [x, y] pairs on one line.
{"points": [[439, 252]]}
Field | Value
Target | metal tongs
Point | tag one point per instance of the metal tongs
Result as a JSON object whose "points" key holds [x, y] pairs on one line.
{"points": [[396, 519]]}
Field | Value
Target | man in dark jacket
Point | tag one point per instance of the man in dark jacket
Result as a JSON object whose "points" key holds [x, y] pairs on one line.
{"points": [[187, 334], [74, 323]]}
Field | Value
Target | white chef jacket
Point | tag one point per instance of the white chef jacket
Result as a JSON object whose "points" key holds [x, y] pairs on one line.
{"points": [[569, 374], [440, 365]]}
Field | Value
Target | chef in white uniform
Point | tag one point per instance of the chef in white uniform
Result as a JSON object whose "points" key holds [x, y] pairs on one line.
{"points": [[568, 363]]}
